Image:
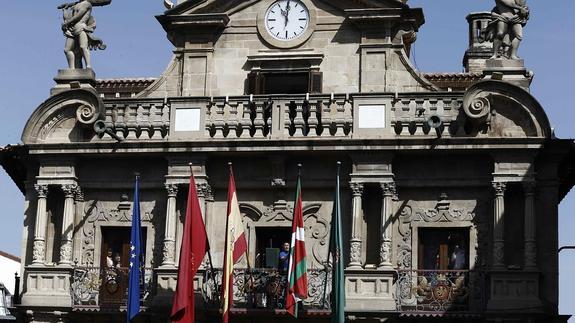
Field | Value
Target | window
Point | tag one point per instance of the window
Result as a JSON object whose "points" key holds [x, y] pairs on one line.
{"points": [[284, 82], [443, 249]]}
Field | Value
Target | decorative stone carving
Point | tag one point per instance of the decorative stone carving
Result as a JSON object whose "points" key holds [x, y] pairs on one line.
{"points": [[99, 212], [66, 252], [506, 28], [172, 190], [355, 252], [356, 189], [385, 252], [41, 190], [78, 28], [443, 212], [477, 108], [388, 189], [38, 251], [169, 251], [280, 211], [204, 190], [87, 114], [499, 188], [69, 190]]}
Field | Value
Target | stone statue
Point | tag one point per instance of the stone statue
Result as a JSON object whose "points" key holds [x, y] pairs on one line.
{"points": [[506, 28], [78, 27]]}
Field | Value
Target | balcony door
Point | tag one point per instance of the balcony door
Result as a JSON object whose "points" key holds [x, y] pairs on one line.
{"points": [[443, 249], [116, 246]]}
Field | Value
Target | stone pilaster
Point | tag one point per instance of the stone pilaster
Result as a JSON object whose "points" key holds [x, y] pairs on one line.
{"points": [[355, 243], [66, 244], [498, 226], [39, 248], [530, 259], [388, 192], [169, 248]]}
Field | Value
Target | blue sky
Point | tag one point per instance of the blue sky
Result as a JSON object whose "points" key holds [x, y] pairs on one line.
{"points": [[31, 52]]}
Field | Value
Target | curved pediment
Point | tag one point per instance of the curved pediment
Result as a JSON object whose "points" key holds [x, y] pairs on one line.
{"points": [[505, 110], [63, 117]]}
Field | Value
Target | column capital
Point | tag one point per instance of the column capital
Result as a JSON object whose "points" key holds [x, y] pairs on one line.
{"points": [[70, 190], [499, 188], [41, 190], [205, 190], [172, 190], [388, 188], [356, 188], [529, 188]]}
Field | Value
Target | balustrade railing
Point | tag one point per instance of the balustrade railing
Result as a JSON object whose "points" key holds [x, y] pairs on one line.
{"points": [[105, 287], [266, 289], [288, 116], [444, 291]]}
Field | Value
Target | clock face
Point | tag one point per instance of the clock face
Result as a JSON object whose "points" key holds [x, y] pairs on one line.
{"points": [[287, 19]]}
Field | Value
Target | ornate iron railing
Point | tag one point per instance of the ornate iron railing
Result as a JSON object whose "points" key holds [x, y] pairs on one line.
{"points": [[266, 288], [440, 291], [105, 287]]}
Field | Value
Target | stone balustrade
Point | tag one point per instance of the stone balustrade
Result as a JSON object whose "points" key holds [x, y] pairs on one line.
{"points": [[283, 117]]}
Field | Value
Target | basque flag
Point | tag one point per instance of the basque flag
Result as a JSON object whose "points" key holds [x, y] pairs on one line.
{"points": [[133, 306], [297, 270]]}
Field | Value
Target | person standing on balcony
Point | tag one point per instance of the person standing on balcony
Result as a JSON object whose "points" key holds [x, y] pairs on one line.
{"points": [[284, 257]]}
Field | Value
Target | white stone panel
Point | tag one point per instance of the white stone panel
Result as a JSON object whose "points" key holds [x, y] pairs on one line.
{"points": [[371, 116], [188, 119]]}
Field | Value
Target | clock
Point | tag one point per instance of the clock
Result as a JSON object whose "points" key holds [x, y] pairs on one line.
{"points": [[287, 19], [287, 23]]}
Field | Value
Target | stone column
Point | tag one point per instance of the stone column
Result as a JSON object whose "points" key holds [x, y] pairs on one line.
{"points": [[66, 245], [388, 190], [169, 249], [530, 225], [355, 243], [498, 226], [39, 249], [203, 190]]}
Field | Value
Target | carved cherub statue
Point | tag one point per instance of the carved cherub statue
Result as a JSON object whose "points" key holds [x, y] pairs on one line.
{"points": [[506, 29], [78, 27]]}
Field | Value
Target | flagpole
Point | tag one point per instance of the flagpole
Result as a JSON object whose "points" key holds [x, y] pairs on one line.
{"points": [[230, 164], [209, 248], [329, 245]]}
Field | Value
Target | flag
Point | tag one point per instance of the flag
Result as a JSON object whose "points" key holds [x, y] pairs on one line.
{"points": [[297, 269], [236, 246], [133, 306], [336, 247], [194, 248]]}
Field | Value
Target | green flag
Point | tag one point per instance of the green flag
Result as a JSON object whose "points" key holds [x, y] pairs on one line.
{"points": [[336, 250]]}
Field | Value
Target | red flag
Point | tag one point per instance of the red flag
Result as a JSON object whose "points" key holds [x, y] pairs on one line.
{"points": [[194, 248], [236, 247]]}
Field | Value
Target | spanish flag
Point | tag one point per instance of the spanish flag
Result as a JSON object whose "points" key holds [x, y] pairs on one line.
{"points": [[236, 247]]}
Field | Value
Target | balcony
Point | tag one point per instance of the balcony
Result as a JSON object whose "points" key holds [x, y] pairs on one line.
{"points": [[283, 117], [265, 289], [440, 292], [417, 292], [105, 288]]}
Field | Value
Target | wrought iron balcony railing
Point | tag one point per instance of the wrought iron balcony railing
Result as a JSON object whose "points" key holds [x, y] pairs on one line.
{"points": [[266, 289], [95, 287], [440, 291]]}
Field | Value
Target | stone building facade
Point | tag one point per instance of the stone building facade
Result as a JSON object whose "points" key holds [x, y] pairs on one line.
{"points": [[452, 181]]}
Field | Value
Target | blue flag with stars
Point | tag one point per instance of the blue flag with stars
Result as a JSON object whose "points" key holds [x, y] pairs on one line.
{"points": [[133, 306]]}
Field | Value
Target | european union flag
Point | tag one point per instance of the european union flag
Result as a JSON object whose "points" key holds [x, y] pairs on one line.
{"points": [[133, 306]]}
